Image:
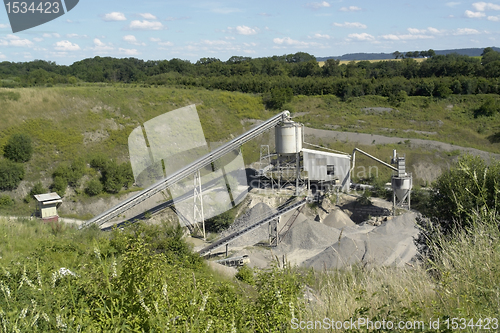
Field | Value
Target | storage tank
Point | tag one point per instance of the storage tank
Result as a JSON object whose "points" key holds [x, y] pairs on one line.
{"points": [[401, 186], [288, 137]]}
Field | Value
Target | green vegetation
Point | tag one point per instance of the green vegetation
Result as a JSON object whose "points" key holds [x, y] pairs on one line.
{"points": [[19, 148], [11, 174], [141, 279]]}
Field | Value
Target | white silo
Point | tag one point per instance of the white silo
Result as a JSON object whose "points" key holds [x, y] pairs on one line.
{"points": [[288, 138]]}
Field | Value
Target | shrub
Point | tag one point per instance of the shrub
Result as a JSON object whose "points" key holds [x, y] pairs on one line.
{"points": [[6, 201], [94, 187], [38, 189], [467, 185], [59, 185], [71, 173], [488, 108], [220, 222], [18, 148], [245, 274], [277, 97], [115, 176], [11, 174]]}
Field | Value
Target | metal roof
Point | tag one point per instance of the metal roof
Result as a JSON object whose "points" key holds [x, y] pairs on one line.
{"points": [[47, 197]]}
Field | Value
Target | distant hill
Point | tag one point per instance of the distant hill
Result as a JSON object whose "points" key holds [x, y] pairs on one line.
{"points": [[472, 52]]}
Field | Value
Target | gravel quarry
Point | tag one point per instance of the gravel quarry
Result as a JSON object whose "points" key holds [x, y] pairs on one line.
{"points": [[328, 240]]}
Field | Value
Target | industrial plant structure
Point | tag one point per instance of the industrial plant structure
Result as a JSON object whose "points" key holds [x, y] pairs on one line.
{"points": [[305, 170]]}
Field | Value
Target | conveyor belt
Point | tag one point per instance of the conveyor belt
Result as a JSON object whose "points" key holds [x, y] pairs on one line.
{"points": [[237, 234], [186, 171]]}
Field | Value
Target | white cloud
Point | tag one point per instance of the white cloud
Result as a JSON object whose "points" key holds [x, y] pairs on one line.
{"points": [[350, 9], [244, 30], [129, 52], [114, 16], [318, 5], [289, 41], [132, 40], [466, 31], [47, 35], [350, 25], [76, 36], [406, 37], [484, 6], [452, 4], [145, 25], [320, 36], [66, 45], [99, 46], [361, 37], [4, 26], [148, 16], [13, 40], [471, 14], [38, 39], [3, 56], [494, 18]]}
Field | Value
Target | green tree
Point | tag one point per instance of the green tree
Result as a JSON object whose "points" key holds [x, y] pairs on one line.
{"points": [[489, 107], [11, 174], [59, 185], [94, 187], [19, 148], [277, 97], [38, 189]]}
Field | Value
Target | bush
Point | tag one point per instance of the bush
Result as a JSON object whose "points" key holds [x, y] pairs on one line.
{"points": [[467, 185], [245, 274], [59, 185], [220, 222], [277, 97], [6, 201], [94, 187], [18, 148], [11, 174], [115, 177], [38, 189], [71, 173], [489, 108]]}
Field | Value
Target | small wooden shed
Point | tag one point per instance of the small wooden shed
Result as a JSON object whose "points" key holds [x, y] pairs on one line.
{"points": [[47, 206]]}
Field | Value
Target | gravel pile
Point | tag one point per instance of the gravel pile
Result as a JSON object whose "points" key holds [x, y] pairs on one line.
{"points": [[338, 219], [390, 244], [253, 215]]}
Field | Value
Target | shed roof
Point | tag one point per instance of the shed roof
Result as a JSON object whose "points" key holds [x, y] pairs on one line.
{"points": [[47, 197]]}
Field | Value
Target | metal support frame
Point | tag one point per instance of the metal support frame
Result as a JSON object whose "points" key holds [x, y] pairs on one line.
{"points": [[198, 202]]}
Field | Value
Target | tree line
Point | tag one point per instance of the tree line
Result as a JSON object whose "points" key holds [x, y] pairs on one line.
{"points": [[437, 75]]}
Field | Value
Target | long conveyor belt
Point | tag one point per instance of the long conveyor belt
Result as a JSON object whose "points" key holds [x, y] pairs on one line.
{"points": [[237, 234], [186, 171]]}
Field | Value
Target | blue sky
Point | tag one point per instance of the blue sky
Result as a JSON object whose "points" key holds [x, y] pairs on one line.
{"points": [[191, 30]]}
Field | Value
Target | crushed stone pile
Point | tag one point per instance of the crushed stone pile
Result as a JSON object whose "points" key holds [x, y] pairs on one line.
{"points": [[253, 215], [306, 235], [338, 219], [390, 244]]}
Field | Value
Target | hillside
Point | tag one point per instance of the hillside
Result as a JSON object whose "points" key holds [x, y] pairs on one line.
{"points": [[470, 52], [81, 122]]}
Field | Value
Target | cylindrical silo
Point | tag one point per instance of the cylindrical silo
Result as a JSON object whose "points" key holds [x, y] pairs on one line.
{"points": [[401, 186], [288, 137]]}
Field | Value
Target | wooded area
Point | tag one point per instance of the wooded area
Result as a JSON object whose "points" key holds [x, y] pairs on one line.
{"points": [[437, 75]]}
